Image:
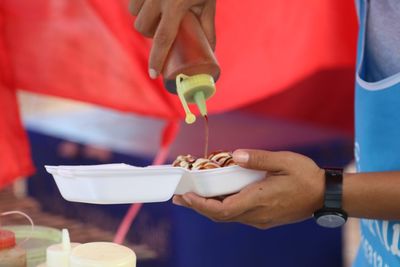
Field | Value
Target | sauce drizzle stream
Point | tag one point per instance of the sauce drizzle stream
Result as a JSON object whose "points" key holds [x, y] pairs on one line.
{"points": [[206, 136]]}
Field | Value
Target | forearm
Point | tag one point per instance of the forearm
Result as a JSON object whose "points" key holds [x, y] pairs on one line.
{"points": [[372, 195]]}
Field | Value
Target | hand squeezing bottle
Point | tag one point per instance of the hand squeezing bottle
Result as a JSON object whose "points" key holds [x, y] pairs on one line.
{"points": [[191, 69]]}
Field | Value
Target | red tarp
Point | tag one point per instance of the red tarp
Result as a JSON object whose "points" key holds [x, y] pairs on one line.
{"points": [[88, 50]]}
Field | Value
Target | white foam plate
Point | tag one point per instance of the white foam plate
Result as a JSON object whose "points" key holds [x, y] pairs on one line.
{"points": [[123, 184]]}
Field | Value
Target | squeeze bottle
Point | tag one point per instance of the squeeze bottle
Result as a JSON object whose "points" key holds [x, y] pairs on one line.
{"points": [[191, 69], [58, 255]]}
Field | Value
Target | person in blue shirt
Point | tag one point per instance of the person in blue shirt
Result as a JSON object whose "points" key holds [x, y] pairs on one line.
{"points": [[296, 187]]}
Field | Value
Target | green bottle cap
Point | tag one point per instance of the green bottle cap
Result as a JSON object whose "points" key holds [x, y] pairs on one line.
{"points": [[194, 89]]}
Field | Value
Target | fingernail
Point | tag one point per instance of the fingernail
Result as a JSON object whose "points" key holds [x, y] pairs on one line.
{"points": [[176, 201], [153, 73], [240, 156], [187, 199]]}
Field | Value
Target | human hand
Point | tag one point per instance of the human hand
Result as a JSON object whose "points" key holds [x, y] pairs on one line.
{"points": [[291, 191], [160, 19]]}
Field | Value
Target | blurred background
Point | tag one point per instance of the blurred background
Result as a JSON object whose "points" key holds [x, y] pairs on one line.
{"points": [[76, 73]]}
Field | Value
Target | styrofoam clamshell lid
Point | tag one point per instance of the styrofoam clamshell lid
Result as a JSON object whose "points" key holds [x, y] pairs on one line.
{"points": [[123, 183]]}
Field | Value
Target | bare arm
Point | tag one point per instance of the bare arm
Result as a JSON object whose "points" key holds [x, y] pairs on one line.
{"points": [[372, 195]]}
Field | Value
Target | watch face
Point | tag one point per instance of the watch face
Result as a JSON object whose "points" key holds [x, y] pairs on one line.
{"points": [[331, 220]]}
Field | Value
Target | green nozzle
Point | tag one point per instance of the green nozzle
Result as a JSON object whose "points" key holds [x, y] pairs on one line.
{"points": [[194, 89], [200, 100]]}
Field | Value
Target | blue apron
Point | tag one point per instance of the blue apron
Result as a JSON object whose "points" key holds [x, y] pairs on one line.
{"points": [[377, 148]]}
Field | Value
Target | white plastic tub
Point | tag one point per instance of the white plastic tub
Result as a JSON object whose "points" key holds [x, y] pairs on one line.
{"points": [[122, 183]]}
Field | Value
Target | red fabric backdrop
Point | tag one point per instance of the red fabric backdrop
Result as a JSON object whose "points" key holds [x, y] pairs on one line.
{"points": [[88, 50]]}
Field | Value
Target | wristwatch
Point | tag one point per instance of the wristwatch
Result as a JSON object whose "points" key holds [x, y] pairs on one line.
{"points": [[332, 215]]}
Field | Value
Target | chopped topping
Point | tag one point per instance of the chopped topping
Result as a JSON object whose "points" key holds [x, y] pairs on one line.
{"points": [[184, 161], [224, 159], [215, 160], [204, 164]]}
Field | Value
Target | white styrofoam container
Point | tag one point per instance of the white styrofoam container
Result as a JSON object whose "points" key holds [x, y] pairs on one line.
{"points": [[122, 183], [217, 182]]}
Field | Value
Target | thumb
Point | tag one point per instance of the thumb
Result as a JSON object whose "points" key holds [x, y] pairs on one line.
{"points": [[261, 159]]}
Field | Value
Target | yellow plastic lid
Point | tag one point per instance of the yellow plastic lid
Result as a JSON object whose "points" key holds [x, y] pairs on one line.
{"points": [[102, 254], [194, 89]]}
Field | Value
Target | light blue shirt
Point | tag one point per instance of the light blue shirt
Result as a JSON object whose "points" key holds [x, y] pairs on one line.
{"points": [[377, 120]]}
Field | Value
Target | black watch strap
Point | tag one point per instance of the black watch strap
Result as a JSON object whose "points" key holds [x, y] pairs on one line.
{"points": [[333, 188], [331, 214]]}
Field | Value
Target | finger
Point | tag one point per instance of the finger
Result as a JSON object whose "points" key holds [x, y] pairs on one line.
{"points": [[259, 226], [148, 19], [135, 6], [162, 42], [197, 10], [206, 206], [229, 208], [262, 160], [207, 20], [179, 201]]}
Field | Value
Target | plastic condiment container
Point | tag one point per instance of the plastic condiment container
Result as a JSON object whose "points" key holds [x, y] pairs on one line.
{"points": [[10, 254], [37, 241], [102, 254]]}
